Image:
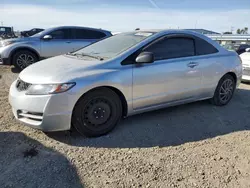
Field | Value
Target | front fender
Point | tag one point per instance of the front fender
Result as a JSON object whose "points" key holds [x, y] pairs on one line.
{"points": [[11, 49], [123, 83]]}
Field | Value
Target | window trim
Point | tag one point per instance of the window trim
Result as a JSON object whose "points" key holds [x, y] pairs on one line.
{"points": [[124, 62], [172, 35]]}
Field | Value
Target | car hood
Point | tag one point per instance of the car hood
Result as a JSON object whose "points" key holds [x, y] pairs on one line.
{"points": [[61, 69], [245, 58], [24, 39]]}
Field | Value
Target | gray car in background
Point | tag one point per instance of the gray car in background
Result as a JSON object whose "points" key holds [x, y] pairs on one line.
{"points": [[123, 75], [21, 52]]}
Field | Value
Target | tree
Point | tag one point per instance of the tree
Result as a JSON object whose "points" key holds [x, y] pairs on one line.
{"points": [[242, 31], [246, 30]]}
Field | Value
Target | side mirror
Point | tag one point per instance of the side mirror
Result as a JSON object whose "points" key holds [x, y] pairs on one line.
{"points": [[247, 49], [47, 37], [145, 57]]}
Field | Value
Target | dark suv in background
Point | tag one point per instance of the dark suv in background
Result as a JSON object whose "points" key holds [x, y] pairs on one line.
{"points": [[31, 32], [6, 33], [242, 48]]}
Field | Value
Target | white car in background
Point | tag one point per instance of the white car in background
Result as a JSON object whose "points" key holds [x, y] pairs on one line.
{"points": [[245, 57]]}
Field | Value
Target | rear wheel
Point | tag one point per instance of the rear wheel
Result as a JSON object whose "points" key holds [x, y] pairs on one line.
{"points": [[97, 112], [224, 91], [23, 59]]}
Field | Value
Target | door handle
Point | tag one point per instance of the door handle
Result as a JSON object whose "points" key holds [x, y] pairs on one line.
{"points": [[192, 64], [68, 42]]}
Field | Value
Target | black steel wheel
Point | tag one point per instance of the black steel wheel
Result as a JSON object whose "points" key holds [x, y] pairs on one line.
{"points": [[97, 112], [224, 91]]}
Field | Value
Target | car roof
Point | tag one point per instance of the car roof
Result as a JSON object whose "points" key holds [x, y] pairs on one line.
{"points": [[168, 31], [79, 27], [161, 32], [171, 31]]}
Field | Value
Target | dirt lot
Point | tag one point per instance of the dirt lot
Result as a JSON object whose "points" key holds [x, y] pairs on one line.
{"points": [[194, 145]]}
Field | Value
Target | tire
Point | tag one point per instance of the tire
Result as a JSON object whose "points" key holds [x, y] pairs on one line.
{"points": [[97, 112], [224, 91], [23, 58]]}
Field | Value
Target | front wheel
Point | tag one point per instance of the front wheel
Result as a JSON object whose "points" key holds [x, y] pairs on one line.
{"points": [[23, 59], [97, 112], [224, 91]]}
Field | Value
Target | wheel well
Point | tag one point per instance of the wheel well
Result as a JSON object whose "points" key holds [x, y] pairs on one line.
{"points": [[123, 100], [119, 93], [23, 48], [233, 75]]}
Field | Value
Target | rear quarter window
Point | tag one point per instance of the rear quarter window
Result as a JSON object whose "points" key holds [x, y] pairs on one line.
{"points": [[204, 48], [88, 34]]}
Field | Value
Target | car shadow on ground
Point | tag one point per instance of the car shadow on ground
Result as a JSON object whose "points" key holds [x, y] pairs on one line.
{"points": [[172, 126], [15, 70], [27, 163]]}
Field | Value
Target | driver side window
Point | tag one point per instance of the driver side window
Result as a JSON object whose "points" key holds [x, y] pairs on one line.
{"points": [[169, 48], [60, 34]]}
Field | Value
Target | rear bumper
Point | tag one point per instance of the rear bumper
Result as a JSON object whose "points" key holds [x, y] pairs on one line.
{"points": [[245, 73], [245, 78]]}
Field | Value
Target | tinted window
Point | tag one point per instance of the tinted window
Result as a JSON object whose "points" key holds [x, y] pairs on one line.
{"points": [[61, 34], [203, 47], [172, 48], [88, 34]]}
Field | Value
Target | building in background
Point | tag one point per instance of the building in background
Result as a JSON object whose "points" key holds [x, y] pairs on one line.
{"points": [[204, 31], [231, 41]]}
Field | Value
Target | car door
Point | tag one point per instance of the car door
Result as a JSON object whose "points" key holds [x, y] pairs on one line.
{"points": [[84, 37], [173, 76], [60, 43], [210, 65]]}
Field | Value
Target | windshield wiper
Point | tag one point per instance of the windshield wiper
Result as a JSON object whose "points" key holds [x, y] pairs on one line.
{"points": [[70, 53], [88, 55]]}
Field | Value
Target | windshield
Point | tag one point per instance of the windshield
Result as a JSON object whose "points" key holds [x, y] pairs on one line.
{"points": [[39, 34], [113, 46]]}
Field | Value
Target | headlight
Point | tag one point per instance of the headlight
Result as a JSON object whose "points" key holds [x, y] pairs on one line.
{"points": [[45, 89]]}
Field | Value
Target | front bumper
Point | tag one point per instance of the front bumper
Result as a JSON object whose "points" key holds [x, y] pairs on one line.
{"points": [[44, 112], [4, 57], [4, 61]]}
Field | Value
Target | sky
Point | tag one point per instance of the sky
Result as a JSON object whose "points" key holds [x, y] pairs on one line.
{"points": [[125, 15]]}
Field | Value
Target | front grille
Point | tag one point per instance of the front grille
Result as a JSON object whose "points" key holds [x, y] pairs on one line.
{"points": [[21, 85], [30, 115]]}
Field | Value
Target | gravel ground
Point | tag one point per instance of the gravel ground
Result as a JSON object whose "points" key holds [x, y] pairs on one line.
{"points": [[194, 145]]}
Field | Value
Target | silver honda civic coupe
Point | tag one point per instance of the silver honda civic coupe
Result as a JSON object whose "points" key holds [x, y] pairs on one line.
{"points": [[126, 74]]}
